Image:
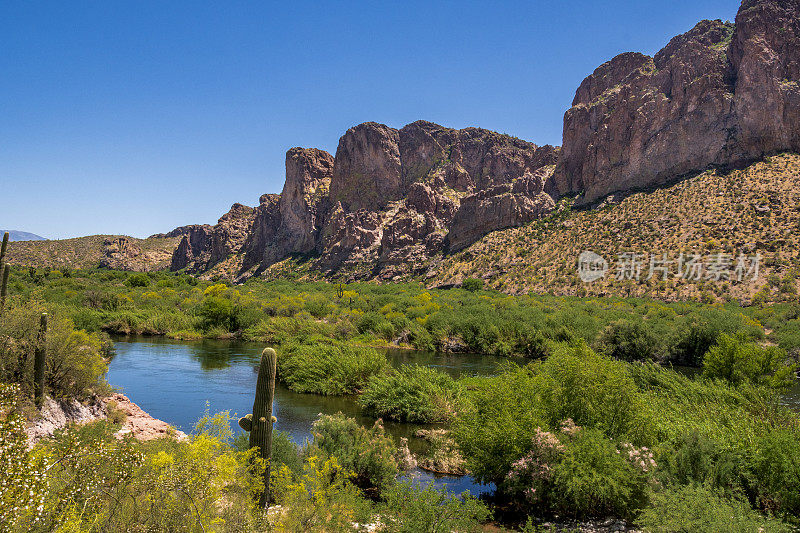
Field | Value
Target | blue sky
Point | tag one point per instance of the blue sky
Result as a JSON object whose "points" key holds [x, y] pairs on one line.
{"points": [[137, 117]]}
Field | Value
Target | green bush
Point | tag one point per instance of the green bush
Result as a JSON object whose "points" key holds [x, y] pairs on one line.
{"points": [[331, 368], [627, 340], [737, 361], [367, 454], [591, 389], [580, 472], [697, 509], [74, 367], [472, 284], [138, 280], [413, 509], [415, 394]]}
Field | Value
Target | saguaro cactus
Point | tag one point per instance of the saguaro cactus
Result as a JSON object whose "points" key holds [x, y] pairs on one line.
{"points": [[40, 356], [4, 273], [259, 423]]}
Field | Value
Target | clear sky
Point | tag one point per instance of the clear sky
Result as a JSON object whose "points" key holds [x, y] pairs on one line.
{"points": [[137, 117]]}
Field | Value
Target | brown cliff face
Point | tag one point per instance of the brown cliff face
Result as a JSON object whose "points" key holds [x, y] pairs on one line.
{"points": [[502, 206], [308, 178], [468, 159], [713, 96], [386, 201], [366, 171], [203, 246], [765, 54]]}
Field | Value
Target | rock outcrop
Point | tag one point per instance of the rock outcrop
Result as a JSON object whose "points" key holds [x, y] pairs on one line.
{"points": [[384, 204], [718, 95], [502, 206], [366, 171], [203, 246]]}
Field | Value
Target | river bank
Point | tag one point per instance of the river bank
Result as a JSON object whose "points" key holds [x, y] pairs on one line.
{"points": [[57, 414]]}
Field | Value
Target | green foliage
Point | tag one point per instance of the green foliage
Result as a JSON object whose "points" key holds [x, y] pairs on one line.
{"points": [[138, 280], [627, 340], [596, 477], [367, 454], [697, 509], [737, 361], [427, 510], [74, 363], [22, 486], [415, 394], [472, 284], [317, 499], [591, 389], [322, 366]]}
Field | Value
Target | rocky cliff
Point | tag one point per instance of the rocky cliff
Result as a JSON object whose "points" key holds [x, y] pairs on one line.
{"points": [[395, 202], [384, 205], [719, 95]]}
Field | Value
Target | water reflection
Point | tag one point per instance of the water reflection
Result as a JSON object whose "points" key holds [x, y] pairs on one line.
{"points": [[176, 381]]}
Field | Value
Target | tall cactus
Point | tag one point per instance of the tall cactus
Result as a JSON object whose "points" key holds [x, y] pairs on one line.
{"points": [[4, 288], [259, 423], [39, 360], [4, 273]]}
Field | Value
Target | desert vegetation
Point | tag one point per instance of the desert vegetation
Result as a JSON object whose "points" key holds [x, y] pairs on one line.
{"points": [[585, 420]]}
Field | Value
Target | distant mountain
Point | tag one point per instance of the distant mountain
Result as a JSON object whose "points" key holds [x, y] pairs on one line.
{"points": [[16, 235]]}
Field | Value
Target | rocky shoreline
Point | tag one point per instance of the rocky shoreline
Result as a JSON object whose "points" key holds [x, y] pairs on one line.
{"points": [[57, 414]]}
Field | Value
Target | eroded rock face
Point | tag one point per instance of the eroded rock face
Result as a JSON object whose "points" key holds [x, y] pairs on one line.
{"points": [[468, 159], [308, 178], [713, 96], [366, 172], [203, 246], [266, 222], [501, 206], [765, 54], [382, 206]]}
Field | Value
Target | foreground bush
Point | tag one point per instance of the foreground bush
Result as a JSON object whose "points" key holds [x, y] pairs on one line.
{"points": [[409, 509], [328, 367], [735, 439], [696, 509], [580, 472], [74, 365], [367, 454], [415, 393]]}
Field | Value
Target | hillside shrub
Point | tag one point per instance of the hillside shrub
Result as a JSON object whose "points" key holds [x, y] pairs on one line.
{"points": [[695, 508]]}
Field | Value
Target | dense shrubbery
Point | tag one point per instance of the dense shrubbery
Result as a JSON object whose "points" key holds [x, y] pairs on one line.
{"points": [[367, 454], [587, 435], [738, 361], [414, 393], [328, 367], [697, 509], [370, 314], [74, 365], [86, 479]]}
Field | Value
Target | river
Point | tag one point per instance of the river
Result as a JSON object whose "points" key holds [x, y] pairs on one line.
{"points": [[176, 380]]}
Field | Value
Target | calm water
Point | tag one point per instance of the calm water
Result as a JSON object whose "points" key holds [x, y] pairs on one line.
{"points": [[175, 380]]}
